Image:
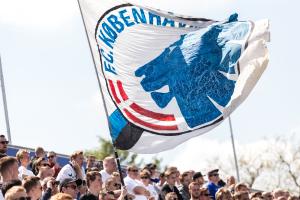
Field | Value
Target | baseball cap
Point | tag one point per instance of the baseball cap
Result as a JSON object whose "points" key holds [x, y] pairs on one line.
{"points": [[66, 181]]}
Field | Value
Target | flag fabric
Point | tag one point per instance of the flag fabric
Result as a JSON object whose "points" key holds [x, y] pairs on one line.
{"points": [[167, 78]]}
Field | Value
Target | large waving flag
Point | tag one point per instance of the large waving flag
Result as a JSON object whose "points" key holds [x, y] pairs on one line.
{"points": [[167, 78]]}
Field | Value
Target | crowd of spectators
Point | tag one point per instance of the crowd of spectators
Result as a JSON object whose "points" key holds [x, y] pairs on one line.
{"points": [[42, 178]]}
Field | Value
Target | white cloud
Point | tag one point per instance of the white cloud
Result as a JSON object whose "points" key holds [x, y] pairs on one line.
{"points": [[46, 14]]}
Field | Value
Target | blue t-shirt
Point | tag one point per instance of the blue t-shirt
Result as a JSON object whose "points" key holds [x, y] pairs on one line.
{"points": [[212, 188]]}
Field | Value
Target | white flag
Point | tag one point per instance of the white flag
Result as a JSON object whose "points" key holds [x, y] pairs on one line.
{"points": [[167, 78]]}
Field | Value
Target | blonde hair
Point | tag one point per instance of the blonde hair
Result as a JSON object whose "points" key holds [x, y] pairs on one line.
{"points": [[10, 194], [61, 196], [20, 154]]}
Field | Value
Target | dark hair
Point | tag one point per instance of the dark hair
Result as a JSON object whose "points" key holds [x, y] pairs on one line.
{"points": [[29, 182], [7, 185], [182, 176], [91, 176]]}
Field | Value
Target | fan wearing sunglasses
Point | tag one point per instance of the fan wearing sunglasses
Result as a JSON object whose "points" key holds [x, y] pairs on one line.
{"points": [[133, 185], [3, 146], [51, 155], [145, 176], [213, 186], [70, 186], [16, 193]]}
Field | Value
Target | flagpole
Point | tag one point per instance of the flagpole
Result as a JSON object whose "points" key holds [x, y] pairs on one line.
{"points": [[102, 96], [234, 152], [5, 103]]}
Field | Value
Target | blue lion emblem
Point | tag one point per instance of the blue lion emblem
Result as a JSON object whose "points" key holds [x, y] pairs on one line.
{"points": [[194, 68]]}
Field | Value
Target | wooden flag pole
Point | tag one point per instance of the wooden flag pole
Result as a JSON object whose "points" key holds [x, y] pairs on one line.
{"points": [[102, 96], [5, 103]]}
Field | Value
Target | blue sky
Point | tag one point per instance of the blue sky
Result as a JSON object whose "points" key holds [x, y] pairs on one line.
{"points": [[52, 92]]}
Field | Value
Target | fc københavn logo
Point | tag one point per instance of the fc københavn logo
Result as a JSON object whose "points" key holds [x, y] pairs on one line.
{"points": [[168, 85]]}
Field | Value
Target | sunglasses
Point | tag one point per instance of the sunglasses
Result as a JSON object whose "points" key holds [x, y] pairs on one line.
{"points": [[23, 198], [144, 177], [52, 156], [4, 142], [117, 185], [134, 170], [214, 175], [45, 165]]}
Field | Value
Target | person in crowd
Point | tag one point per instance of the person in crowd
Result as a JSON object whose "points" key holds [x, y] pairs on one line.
{"points": [[241, 187], [134, 186], [241, 195], [116, 176], [162, 180], [174, 169], [112, 184], [10, 184], [223, 194], [109, 166], [23, 158], [61, 196], [183, 188], [73, 169], [8, 169], [169, 186], [293, 198], [49, 187], [107, 195], [51, 156], [3, 146], [39, 153], [16, 192], [43, 169], [70, 186], [199, 178], [204, 194], [33, 187], [171, 196], [278, 193], [94, 184], [230, 181], [194, 190], [91, 162], [145, 177], [213, 180], [152, 169], [255, 195], [267, 196], [82, 189], [44, 172]]}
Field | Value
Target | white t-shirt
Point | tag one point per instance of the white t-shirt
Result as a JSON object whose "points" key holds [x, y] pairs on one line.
{"points": [[66, 172], [105, 175], [152, 191], [130, 185], [23, 171]]}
